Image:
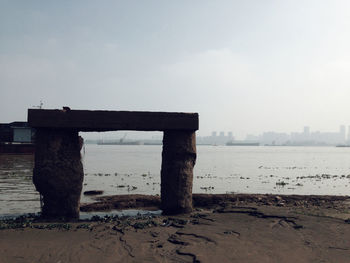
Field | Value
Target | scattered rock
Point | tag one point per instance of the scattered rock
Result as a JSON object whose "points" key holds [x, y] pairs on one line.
{"points": [[93, 192]]}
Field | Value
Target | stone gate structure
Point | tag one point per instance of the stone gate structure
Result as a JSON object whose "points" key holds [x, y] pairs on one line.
{"points": [[58, 172]]}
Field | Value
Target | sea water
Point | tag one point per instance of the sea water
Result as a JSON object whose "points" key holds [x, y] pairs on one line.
{"points": [[135, 169]]}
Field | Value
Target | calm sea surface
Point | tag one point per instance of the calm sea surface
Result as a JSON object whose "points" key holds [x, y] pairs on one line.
{"points": [[219, 169]]}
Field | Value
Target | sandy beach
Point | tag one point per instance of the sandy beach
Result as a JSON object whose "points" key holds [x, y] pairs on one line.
{"points": [[253, 228]]}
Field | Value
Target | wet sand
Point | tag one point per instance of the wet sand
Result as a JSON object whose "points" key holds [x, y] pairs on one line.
{"points": [[257, 228]]}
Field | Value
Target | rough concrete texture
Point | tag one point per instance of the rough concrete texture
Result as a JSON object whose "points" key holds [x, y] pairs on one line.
{"points": [[178, 159], [58, 173]]}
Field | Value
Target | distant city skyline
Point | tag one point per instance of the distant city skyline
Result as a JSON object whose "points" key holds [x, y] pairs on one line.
{"points": [[305, 136]]}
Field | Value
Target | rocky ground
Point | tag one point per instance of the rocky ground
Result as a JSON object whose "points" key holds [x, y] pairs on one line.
{"points": [[223, 228]]}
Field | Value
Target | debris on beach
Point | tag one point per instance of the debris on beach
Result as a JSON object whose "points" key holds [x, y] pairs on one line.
{"points": [[93, 192], [131, 188], [282, 183], [207, 188]]}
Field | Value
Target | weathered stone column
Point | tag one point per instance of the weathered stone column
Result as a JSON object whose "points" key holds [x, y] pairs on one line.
{"points": [[178, 159], [58, 172]]}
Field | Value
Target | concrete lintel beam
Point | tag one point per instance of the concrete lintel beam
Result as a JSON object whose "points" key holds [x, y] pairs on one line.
{"points": [[86, 120]]}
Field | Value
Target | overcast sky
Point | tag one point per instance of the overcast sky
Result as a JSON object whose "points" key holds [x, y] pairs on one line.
{"points": [[244, 66]]}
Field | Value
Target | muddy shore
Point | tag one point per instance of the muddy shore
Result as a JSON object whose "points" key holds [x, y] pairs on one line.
{"points": [[226, 228], [107, 203]]}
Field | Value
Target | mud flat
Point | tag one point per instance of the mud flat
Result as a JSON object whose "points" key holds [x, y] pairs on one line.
{"points": [[107, 203], [226, 228]]}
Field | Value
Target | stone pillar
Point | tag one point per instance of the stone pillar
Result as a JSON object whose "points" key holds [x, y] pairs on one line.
{"points": [[58, 172], [178, 159]]}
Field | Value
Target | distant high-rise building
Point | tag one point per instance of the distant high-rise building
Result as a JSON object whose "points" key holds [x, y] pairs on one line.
{"points": [[342, 131], [222, 134], [348, 134], [306, 130], [230, 135], [213, 134]]}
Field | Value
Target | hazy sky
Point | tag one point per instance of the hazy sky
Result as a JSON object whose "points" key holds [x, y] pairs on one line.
{"points": [[244, 66]]}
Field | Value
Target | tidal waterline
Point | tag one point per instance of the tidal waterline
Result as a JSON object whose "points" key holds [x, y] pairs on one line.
{"points": [[135, 169]]}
